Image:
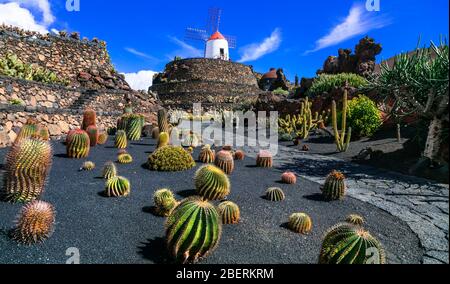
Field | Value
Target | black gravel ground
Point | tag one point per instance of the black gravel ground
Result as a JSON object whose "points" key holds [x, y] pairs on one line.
{"points": [[122, 231]]}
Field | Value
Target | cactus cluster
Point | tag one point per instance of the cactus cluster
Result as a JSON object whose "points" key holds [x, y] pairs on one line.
{"points": [[193, 230], [229, 212], [264, 159], [239, 155], [355, 219], [124, 158], [275, 194], [109, 170], [132, 124], [117, 187], [164, 201], [300, 223], [88, 166], [78, 144], [341, 137], [170, 159], [225, 161], [350, 244], [212, 183], [35, 223], [27, 166], [121, 141], [207, 155], [289, 178], [163, 139], [334, 187]]}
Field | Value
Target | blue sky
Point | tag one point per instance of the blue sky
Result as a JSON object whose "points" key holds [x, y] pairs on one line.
{"points": [[295, 35]]}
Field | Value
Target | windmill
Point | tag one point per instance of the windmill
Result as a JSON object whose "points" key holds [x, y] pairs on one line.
{"points": [[216, 45]]}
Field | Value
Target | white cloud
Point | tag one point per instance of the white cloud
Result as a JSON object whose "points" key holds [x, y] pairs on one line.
{"points": [[359, 21], [141, 80], [185, 51], [139, 53], [255, 51]]}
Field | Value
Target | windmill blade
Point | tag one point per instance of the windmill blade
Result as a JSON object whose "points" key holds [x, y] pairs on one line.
{"points": [[232, 41], [195, 34], [213, 23]]}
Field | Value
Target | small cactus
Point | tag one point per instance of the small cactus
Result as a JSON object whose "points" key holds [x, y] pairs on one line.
{"points": [[124, 158], [27, 131], [289, 178], [164, 202], [212, 183], [207, 155], [224, 160], [89, 119], [43, 133], [78, 145], [117, 187], [334, 187], [193, 230], [88, 166], [355, 220], [300, 223], [264, 159], [102, 138], [342, 137], [93, 133], [229, 212], [170, 159], [121, 139], [239, 155], [350, 244], [163, 139], [134, 127], [155, 133], [35, 223], [275, 194], [305, 148], [109, 170]]}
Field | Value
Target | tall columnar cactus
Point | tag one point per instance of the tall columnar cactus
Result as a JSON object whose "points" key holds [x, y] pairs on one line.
{"points": [[355, 219], [109, 170], [121, 139], [78, 144], [225, 161], [93, 133], [163, 121], [334, 187], [134, 127], [275, 194], [300, 223], [212, 183], [170, 159], [193, 230], [163, 139], [117, 187], [35, 223], [207, 155], [27, 166], [164, 201], [229, 212], [89, 119], [289, 178], [342, 138], [264, 159], [102, 138], [349, 244]]}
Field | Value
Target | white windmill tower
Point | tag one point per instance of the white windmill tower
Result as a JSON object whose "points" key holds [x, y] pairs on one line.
{"points": [[216, 45]]}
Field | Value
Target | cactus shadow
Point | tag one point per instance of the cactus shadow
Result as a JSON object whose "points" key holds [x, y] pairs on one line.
{"points": [[186, 193], [285, 225], [64, 156], [150, 210], [102, 194], [155, 250], [315, 197], [251, 166]]}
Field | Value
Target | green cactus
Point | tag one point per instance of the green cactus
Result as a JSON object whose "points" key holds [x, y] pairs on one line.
{"points": [[164, 201], [27, 166], [117, 187], [207, 155], [109, 170], [212, 183], [102, 138], [78, 144], [163, 139], [300, 223], [163, 121], [27, 131], [193, 230], [349, 244], [334, 187], [121, 139], [170, 159], [134, 127], [225, 161], [229, 212], [342, 138], [93, 133], [355, 220], [124, 158], [275, 194], [88, 166]]}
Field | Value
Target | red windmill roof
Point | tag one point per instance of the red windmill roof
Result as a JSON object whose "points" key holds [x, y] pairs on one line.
{"points": [[216, 35]]}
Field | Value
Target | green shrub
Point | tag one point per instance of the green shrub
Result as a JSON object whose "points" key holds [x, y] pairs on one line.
{"points": [[280, 91], [17, 102], [327, 82], [363, 116]]}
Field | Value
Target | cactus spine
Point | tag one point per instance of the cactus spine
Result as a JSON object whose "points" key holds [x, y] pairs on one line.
{"points": [[355, 220], [212, 183], [117, 187], [334, 187], [121, 139], [300, 223], [193, 230], [109, 170], [275, 194], [342, 138], [229, 212]]}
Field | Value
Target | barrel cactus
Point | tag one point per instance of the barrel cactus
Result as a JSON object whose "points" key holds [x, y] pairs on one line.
{"points": [[289, 178], [102, 138], [155, 133], [121, 139], [163, 139], [300, 223], [124, 158], [109, 170], [275, 194], [212, 183], [78, 145], [89, 119], [163, 121], [134, 127], [264, 159], [164, 201], [355, 219], [35, 223], [229, 212], [43, 133], [117, 187], [88, 166], [334, 187], [170, 159], [350, 244], [27, 166], [27, 131], [93, 133], [207, 155], [193, 230], [239, 155], [224, 160]]}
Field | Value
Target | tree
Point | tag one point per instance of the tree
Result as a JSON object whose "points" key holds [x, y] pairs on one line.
{"points": [[417, 83]]}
